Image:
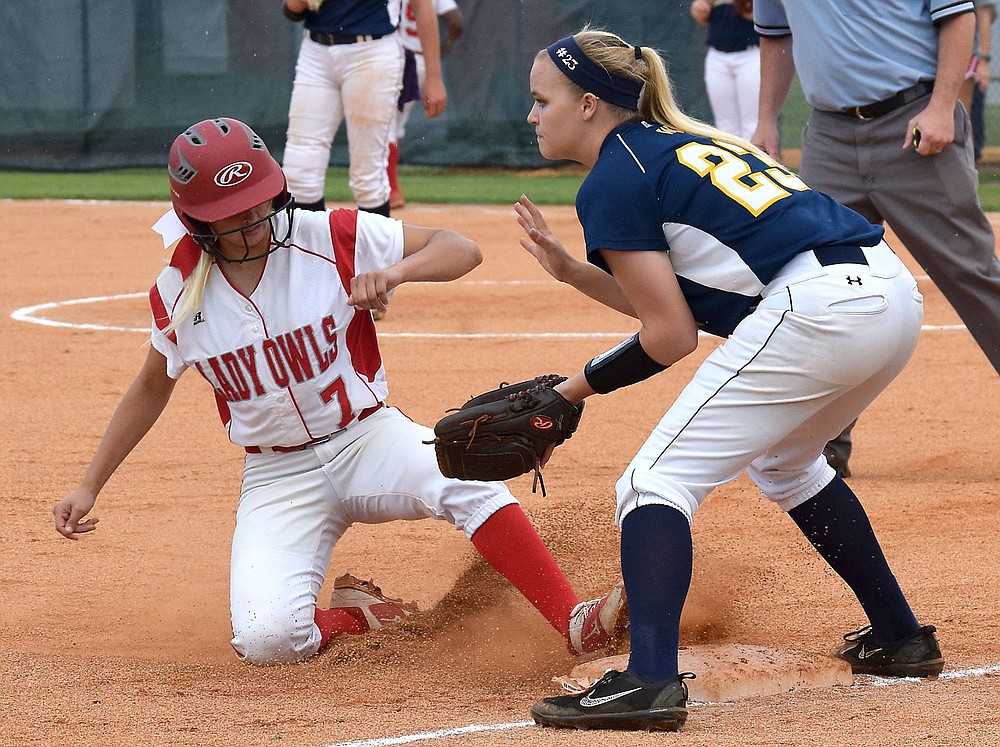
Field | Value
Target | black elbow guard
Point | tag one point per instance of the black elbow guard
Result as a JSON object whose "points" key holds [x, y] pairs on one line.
{"points": [[626, 363]]}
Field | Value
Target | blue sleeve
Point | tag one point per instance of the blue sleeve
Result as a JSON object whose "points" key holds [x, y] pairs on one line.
{"points": [[943, 9], [769, 18], [619, 209]]}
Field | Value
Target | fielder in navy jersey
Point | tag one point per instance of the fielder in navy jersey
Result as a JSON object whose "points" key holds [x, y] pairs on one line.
{"points": [[690, 229], [727, 243]]}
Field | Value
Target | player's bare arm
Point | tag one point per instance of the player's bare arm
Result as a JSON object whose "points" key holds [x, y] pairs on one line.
{"points": [[294, 10], [543, 245], [429, 255], [700, 11], [433, 93], [669, 331], [454, 23], [777, 71], [984, 27], [936, 123], [132, 419]]}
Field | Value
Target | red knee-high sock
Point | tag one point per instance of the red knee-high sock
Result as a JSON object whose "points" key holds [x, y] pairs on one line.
{"points": [[335, 623], [510, 543], [393, 169]]}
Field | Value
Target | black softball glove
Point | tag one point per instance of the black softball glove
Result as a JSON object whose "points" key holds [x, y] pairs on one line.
{"points": [[506, 432]]}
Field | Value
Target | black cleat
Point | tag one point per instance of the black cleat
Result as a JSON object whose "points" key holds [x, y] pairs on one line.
{"points": [[619, 700], [916, 656]]}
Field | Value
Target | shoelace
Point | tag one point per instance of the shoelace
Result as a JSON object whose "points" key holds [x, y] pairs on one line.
{"points": [[613, 674], [519, 401], [608, 676], [857, 635]]}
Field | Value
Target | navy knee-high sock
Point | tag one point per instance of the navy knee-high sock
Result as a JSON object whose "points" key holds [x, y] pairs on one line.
{"points": [[836, 524], [656, 567]]}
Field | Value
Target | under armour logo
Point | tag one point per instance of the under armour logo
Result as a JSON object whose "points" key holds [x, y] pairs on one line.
{"points": [[854, 281], [198, 319]]}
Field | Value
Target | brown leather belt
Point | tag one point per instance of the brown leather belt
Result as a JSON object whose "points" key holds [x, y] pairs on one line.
{"points": [[316, 441]]}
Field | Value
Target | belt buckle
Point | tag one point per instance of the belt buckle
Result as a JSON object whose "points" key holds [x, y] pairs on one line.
{"points": [[859, 115]]}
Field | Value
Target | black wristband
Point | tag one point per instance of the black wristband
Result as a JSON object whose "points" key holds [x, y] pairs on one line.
{"points": [[291, 15], [625, 364], [984, 57]]}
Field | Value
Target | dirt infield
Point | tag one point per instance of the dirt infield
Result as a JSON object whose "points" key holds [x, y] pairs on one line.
{"points": [[122, 638]]}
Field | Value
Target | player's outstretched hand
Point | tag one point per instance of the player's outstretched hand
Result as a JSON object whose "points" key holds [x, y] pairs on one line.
{"points": [[541, 242], [70, 512], [370, 290]]}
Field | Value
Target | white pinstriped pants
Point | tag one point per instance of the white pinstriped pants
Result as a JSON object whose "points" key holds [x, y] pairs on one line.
{"points": [[359, 83], [820, 347]]}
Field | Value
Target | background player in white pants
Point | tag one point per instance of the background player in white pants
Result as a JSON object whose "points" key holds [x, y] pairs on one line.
{"points": [[732, 63], [350, 67], [409, 37], [272, 306], [690, 229]]}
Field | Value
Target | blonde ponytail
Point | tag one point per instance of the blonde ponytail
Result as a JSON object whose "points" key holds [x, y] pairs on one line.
{"points": [[193, 292], [656, 101]]}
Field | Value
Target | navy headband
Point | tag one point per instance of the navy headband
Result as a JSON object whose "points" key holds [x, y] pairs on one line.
{"points": [[588, 75]]}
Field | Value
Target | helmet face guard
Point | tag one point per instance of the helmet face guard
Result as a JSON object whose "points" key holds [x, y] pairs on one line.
{"points": [[219, 168], [207, 239]]}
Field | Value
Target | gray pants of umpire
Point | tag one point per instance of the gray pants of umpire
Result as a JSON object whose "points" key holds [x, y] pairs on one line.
{"points": [[931, 203]]}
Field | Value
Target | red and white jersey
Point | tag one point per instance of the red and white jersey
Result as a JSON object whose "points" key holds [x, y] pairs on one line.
{"points": [[408, 23], [293, 361]]}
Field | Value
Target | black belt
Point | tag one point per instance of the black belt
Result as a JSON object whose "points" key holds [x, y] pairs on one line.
{"points": [[840, 255], [328, 40], [883, 107], [736, 48]]}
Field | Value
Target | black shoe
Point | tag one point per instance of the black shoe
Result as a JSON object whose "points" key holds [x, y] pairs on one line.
{"points": [[837, 461], [619, 700], [916, 656], [842, 470]]}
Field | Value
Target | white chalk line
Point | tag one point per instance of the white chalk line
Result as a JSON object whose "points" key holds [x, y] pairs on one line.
{"points": [[426, 736], [32, 315], [955, 675]]}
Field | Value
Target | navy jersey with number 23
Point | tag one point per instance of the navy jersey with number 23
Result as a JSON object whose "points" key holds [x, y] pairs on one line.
{"points": [[729, 219]]}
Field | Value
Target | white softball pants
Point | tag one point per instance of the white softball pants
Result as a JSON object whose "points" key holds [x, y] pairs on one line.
{"points": [[732, 80], [359, 83], [294, 507], [820, 347]]}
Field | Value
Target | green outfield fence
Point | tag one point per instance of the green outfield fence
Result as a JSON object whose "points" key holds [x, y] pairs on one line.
{"points": [[89, 84], [108, 83]]}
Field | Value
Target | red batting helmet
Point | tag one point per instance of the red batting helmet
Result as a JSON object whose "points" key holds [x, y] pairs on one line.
{"points": [[219, 168]]}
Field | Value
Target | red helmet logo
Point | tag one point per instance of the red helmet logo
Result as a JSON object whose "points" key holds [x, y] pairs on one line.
{"points": [[542, 423], [233, 174]]}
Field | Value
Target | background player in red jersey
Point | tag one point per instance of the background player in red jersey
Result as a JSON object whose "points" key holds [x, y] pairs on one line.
{"points": [[272, 306]]}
